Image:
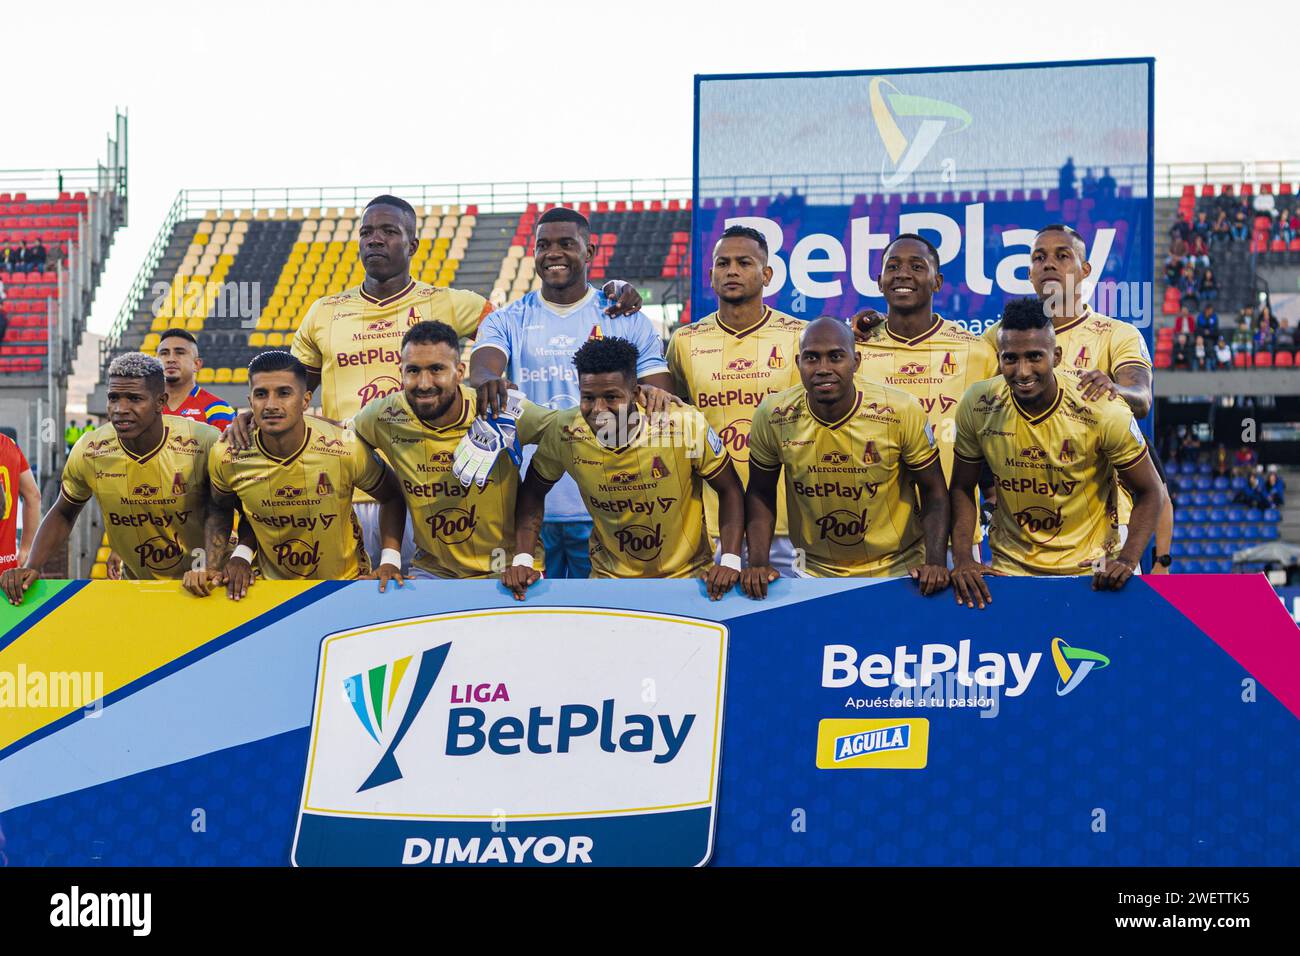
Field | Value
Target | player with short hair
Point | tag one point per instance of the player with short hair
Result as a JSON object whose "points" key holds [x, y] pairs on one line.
{"points": [[844, 444], [178, 350], [641, 479], [729, 361], [461, 531], [534, 340], [295, 482], [1054, 454], [149, 475]]}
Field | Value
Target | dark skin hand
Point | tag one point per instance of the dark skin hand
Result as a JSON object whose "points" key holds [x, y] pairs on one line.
{"points": [[760, 524], [1132, 383], [1148, 493], [967, 575], [731, 528], [932, 577]]}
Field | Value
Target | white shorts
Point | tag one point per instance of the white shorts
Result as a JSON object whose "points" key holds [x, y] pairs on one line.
{"points": [[780, 555], [367, 513]]}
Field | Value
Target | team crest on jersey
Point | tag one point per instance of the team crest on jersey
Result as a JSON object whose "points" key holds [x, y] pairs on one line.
{"points": [[869, 454], [658, 469], [1083, 359], [595, 332], [776, 360], [740, 364], [413, 316], [178, 484], [1067, 452], [323, 486], [949, 366]]}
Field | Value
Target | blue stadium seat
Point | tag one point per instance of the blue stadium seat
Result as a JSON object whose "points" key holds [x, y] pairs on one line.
{"points": [[1237, 483], [1269, 532], [1204, 468], [1236, 514], [1220, 498], [1191, 514], [1222, 567], [1192, 567], [1254, 514], [1178, 549], [1218, 515], [1187, 468], [1220, 483], [1212, 532], [1195, 549], [1200, 499], [1203, 483], [1180, 532], [1272, 514]]}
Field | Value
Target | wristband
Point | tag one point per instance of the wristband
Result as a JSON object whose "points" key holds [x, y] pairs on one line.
{"points": [[244, 553], [391, 556], [522, 560], [730, 561]]}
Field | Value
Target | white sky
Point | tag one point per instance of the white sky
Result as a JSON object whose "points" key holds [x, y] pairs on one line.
{"points": [[327, 93]]}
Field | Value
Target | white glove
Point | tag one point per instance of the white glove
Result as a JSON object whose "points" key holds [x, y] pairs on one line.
{"points": [[477, 453]]}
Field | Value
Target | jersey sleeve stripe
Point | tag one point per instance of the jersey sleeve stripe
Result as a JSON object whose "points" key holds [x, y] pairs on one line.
{"points": [[973, 461], [930, 459], [721, 464], [63, 490], [658, 369], [1125, 364], [1135, 461]]}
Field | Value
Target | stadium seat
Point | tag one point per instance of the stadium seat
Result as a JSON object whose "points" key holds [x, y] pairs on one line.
{"points": [[1221, 483], [1203, 483], [1263, 360], [1220, 498], [1254, 514], [1284, 360], [1272, 514], [1200, 499]]}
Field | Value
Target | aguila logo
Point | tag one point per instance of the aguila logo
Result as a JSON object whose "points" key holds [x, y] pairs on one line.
{"points": [[640, 542], [182, 443], [835, 458], [380, 387], [392, 413], [740, 364], [453, 525], [1041, 524], [324, 442], [735, 437], [297, 557], [160, 553], [572, 433], [843, 527]]}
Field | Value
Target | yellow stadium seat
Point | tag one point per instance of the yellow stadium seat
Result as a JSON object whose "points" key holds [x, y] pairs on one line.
{"points": [[223, 376], [160, 324], [282, 323], [201, 238], [274, 339], [205, 227], [257, 340], [151, 338], [194, 324], [205, 375], [241, 375], [264, 324]]}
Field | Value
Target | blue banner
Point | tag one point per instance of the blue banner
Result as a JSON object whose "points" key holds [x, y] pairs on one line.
{"points": [[830, 166]]}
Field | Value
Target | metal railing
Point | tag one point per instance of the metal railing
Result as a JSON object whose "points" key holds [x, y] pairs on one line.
{"points": [[140, 284]]}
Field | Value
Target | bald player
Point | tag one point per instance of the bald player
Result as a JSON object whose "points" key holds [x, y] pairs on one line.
{"points": [[844, 445]]}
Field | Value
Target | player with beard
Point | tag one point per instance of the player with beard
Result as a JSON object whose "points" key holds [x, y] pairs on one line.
{"points": [[844, 446], [1055, 456]]}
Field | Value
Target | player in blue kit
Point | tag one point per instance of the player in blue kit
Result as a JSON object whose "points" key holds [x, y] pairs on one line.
{"points": [[533, 340]]}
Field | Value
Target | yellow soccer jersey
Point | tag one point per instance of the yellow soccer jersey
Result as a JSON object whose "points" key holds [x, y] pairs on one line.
{"points": [[301, 506], [935, 367], [726, 374], [849, 511], [1055, 474], [153, 504], [354, 341], [457, 529], [645, 498], [1097, 341]]}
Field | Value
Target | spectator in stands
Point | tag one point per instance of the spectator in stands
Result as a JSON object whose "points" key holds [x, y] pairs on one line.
{"points": [[1240, 227], [1182, 353], [1201, 356], [1222, 461], [1173, 269], [1253, 495], [1207, 323], [1186, 283], [1184, 322], [1198, 251], [1265, 332], [1207, 289], [36, 257], [1244, 461], [1067, 178], [1274, 488], [1088, 188], [1223, 353], [18, 257], [1190, 450], [1106, 186], [1180, 231], [4, 320], [1222, 231], [1202, 226], [1283, 340]]}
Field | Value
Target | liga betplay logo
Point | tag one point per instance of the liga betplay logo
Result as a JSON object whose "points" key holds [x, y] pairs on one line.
{"points": [[372, 694], [936, 117], [1063, 654]]}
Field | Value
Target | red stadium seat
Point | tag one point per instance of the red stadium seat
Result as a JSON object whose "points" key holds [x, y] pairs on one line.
{"points": [[1295, 244], [1227, 190], [1240, 360], [1285, 189], [1267, 189], [1277, 245], [1263, 360], [1189, 191], [1284, 360], [1247, 189]]}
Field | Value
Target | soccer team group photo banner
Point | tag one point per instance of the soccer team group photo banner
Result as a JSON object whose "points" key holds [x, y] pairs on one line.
{"points": [[830, 166], [639, 723]]}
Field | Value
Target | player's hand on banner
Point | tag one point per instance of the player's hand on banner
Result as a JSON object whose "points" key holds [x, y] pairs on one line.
{"points": [[113, 566], [863, 322], [1095, 384], [240, 431], [201, 583], [755, 579], [719, 580], [1111, 574], [237, 576], [518, 578], [967, 580], [385, 573], [932, 578], [624, 298], [15, 582]]}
